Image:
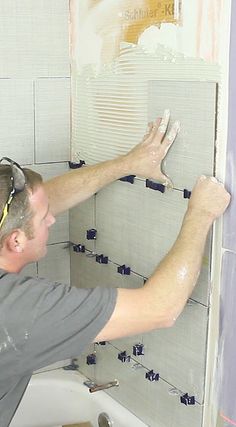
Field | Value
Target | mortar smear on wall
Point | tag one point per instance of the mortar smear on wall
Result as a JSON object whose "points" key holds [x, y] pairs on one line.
{"points": [[110, 72], [99, 26]]}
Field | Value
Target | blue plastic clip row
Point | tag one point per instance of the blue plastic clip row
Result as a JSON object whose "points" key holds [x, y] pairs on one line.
{"points": [[138, 350], [75, 165], [91, 234], [101, 259], [79, 248], [122, 269], [91, 359], [128, 178], [155, 186], [123, 357], [187, 194], [187, 400], [152, 376]]}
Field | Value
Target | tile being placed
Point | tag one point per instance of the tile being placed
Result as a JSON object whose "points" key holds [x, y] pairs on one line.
{"points": [[17, 120], [55, 265], [59, 232], [137, 226], [52, 120], [178, 353], [194, 105], [34, 38], [81, 219], [153, 402]]}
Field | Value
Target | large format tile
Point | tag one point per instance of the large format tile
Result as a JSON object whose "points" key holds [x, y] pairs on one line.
{"points": [[137, 226], [59, 232], [17, 120], [153, 402], [52, 120], [34, 38], [165, 350], [178, 353], [81, 219], [87, 273], [110, 106], [194, 105], [55, 265]]}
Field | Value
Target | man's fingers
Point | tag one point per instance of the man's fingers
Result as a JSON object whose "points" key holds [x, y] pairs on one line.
{"points": [[158, 128], [164, 122], [170, 137]]}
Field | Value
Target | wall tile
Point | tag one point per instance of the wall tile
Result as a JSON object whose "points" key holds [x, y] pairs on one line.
{"points": [[137, 227], [87, 370], [34, 38], [82, 218], [150, 401], [178, 353], [194, 105], [52, 120], [56, 264], [86, 273], [59, 232], [17, 120]]}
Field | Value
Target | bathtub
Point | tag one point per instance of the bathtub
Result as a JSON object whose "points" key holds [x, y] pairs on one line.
{"points": [[59, 397]]}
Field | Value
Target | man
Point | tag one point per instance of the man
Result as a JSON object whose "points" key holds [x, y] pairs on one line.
{"points": [[42, 322]]}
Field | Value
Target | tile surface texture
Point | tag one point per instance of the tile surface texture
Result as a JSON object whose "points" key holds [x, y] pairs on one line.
{"points": [[137, 226], [52, 120]]}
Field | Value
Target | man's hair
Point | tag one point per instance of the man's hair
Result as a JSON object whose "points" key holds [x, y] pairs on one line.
{"points": [[20, 213]]}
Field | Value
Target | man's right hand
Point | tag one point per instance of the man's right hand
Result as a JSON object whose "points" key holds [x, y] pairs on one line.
{"points": [[209, 197]]}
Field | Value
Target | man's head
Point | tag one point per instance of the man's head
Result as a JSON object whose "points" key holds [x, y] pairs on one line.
{"points": [[24, 215]]}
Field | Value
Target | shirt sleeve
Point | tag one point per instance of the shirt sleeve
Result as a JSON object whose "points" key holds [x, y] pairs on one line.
{"points": [[58, 321]]}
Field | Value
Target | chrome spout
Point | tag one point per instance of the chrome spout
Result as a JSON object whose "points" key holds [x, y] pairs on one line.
{"points": [[97, 387]]}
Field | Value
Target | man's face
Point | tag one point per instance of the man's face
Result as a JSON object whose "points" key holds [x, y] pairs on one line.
{"points": [[43, 219]]}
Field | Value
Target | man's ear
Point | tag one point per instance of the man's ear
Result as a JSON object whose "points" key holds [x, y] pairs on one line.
{"points": [[16, 241]]}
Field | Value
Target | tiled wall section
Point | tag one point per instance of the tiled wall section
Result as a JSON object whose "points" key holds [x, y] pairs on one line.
{"points": [[35, 104], [136, 227], [181, 366]]}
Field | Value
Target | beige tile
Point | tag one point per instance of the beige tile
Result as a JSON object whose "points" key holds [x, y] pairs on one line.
{"points": [[152, 402], [52, 120], [194, 105], [137, 227], [82, 218], [17, 120], [178, 353], [56, 264], [34, 38]]}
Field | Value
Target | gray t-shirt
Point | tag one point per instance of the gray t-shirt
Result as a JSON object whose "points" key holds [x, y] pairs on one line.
{"points": [[42, 322]]}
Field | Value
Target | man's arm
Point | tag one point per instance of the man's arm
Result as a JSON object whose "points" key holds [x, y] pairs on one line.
{"points": [[144, 160], [163, 297]]}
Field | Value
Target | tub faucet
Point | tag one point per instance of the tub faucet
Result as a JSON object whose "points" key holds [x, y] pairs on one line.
{"points": [[97, 387]]}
